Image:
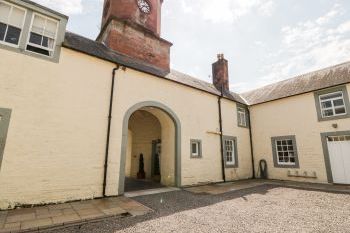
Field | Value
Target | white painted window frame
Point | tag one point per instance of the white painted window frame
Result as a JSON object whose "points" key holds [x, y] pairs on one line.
{"points": [[283, 151], [242, 117], [23, 21], [230, 151], [333, 108], [52, 51]]}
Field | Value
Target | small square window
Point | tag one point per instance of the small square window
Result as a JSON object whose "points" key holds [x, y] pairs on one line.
{"points": [[332, 103], [285, 151], [196, 148]]}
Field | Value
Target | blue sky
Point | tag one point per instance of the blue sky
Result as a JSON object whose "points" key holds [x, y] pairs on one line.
{"points": [[264, 40]]}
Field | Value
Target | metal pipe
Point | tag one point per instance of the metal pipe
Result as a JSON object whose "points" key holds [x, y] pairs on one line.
{"points": [[221, 136], [251, 143], [109, 130]]}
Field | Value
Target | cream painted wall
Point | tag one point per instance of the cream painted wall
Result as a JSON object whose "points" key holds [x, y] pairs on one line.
{"points": [[55, 145], [293, 116], [57, 133], [230, 128]]}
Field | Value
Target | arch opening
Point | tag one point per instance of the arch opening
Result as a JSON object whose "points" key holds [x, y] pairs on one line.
{"points": [[151, 131]]}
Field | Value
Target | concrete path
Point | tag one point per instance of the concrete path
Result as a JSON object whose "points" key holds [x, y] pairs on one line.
{"points": [[37, 218]]}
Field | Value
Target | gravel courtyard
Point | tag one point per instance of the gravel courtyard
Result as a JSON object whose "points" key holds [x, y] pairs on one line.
{"points": [[261, 209]]}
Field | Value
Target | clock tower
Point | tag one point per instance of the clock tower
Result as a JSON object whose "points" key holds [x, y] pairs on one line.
{"points": [[132, 28]]}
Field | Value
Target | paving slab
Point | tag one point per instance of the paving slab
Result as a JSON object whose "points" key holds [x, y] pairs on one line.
{"points": [[41, 217]]}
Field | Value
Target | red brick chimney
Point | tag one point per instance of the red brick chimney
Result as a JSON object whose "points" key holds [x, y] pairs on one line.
{"points": [[220, 73]]}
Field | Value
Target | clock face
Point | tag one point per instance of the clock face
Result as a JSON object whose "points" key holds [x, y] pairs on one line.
{"points": [[144, 6]]}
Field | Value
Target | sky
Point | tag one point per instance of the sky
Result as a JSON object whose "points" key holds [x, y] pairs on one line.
{"points": [[265, 41]]}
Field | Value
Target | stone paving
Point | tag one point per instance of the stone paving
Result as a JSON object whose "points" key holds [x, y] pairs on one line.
{"points": [[71, 214], [220, 188], [36, 218]]}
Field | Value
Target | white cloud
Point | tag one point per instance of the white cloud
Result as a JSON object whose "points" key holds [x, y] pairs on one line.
{"points": [[64, 6], [309, 46], [227, 11]]}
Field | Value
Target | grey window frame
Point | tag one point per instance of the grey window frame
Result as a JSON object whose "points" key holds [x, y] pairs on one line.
{"points": [[331, 90], [199, 142], [235, 149], [32, 8], [6, 114], [295, 149], [246, 115]]}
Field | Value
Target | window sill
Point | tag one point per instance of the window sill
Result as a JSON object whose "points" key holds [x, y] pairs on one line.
{"points": [[231, 166], [286, 166], [242, 126], [334, 117]]}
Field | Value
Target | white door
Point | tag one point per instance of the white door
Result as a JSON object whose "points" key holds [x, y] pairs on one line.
{"points": [[339, 155]]}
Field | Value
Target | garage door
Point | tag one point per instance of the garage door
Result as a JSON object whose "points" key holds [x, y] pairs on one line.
{"points": [[339, 155]]}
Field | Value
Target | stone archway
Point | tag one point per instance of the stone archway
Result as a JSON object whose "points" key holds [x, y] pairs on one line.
{"points": [[160, 111]]}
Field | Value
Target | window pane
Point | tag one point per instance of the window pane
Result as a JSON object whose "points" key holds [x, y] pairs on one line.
{"points": [[45, 42], [194, 148], [332, 95], [4, 12], [284, 143], [328, 112], [340, 111], [50, 29], [279, 143], [13, 35], [290, 142], [16, 17], [339, 102], [2, 31], [35, 38], [38, 24], [326, 104]]}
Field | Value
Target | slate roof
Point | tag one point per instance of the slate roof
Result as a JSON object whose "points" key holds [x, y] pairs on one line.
{"points": [[99, 50], [328, 77], [321, 79]]}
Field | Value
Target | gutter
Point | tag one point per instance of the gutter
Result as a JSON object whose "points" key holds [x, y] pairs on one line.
{"points": [[221, 137], [251, 143], [109, 130]]}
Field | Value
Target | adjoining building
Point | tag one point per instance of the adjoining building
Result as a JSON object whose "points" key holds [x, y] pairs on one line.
{"points": [[76, 114]]}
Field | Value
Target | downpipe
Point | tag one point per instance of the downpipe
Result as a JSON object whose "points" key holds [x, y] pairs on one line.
{"points": [[109, 130]]}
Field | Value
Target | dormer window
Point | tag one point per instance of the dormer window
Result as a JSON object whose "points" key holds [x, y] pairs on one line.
{"points": [[42, 35], [11, 23]]}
